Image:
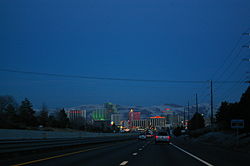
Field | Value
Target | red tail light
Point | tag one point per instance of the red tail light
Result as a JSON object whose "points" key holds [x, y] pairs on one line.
{"points": [[168, 137], [156, 137]]}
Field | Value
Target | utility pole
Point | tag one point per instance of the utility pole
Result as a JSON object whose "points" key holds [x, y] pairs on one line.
{"points": [[184, 117], [212, 104], [246, 46], [196, 97], [188, 112]]}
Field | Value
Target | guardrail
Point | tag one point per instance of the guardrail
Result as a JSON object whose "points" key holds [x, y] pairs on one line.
{"points": [[9, 148], [14, 134]]}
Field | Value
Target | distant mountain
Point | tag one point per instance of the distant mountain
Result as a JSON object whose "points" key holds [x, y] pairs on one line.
{"points": [[173, 105]]}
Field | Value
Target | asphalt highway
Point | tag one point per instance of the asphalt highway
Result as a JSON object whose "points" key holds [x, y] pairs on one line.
{"points": [[132, 153]]}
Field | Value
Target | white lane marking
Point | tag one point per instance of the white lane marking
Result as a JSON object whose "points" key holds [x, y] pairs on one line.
{"points": [[140, 149], [124, 163], [134, 154], [197, 158]]}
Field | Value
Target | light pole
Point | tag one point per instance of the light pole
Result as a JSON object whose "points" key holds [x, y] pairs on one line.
{"points": [[212, 104], [196, 99]]}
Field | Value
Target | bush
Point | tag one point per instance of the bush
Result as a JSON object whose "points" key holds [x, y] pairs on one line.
{"points": [[177, 131], [199, 132]]}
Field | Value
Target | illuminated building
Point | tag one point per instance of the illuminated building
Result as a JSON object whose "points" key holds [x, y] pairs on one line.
{"points": [[115, 118], [134, 115], [100, 114], [157, 121], [76, 115], [152, 122], [111, 109], [143, 123]]}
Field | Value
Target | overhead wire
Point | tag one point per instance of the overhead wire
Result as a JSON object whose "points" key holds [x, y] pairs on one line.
{"points": [[101, 78]]}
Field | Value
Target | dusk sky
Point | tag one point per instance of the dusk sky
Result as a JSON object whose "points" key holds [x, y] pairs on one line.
{"points": [[176, 40]]}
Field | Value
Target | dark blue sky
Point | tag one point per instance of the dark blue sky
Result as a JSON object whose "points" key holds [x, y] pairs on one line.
{"points": [[139, 39]]}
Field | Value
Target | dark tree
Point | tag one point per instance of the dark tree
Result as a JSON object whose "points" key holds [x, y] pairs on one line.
{"points": [[43, 117], [78, 123], [177, 131], [63, 120], [229, 111], [11, 113], [196, 122], [52, 122], [11, 117], [226, 113], [244, 106], [5, 101], [27, 114]]}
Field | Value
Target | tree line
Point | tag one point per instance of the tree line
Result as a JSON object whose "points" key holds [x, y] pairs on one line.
{"points": [[226, 112], [237, 110], [23, 116]]}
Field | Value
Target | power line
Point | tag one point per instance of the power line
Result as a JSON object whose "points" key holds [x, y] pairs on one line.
{"points": [[231, 52], [101, 78], [204, 95], [228, 56], [112, 78]]}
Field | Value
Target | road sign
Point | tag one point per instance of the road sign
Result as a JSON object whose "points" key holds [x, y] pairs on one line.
{"points": [[237, 123]]}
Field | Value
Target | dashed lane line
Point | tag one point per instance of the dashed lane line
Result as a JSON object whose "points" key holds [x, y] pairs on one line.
{"points": [[124, 163]]}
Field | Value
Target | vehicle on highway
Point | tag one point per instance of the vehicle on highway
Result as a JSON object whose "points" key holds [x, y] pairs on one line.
{"points": [[162, 136], [149, 134], [142, 136]]}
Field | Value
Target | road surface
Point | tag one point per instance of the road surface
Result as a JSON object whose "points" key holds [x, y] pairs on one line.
{"points": [[134, 153]]}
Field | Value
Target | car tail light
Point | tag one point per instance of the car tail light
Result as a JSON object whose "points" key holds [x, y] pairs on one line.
{"points": [[156, 137], [168, 137]]}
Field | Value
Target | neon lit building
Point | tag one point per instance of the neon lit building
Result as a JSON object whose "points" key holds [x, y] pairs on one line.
{"points": [[134, 115], [157, 121], [150, 123], [75, 115], [100, 114]]}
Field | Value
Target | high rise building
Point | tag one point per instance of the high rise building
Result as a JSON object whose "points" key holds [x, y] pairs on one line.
{"points": [[143, 123], [111, 109], [115, 118], [156, 122], [100, 115], [76, 116], [134, 115]]}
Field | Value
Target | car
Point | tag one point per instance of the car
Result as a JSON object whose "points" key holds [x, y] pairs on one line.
{"points": [[142, 137], [149, 134], [162, 136]]}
